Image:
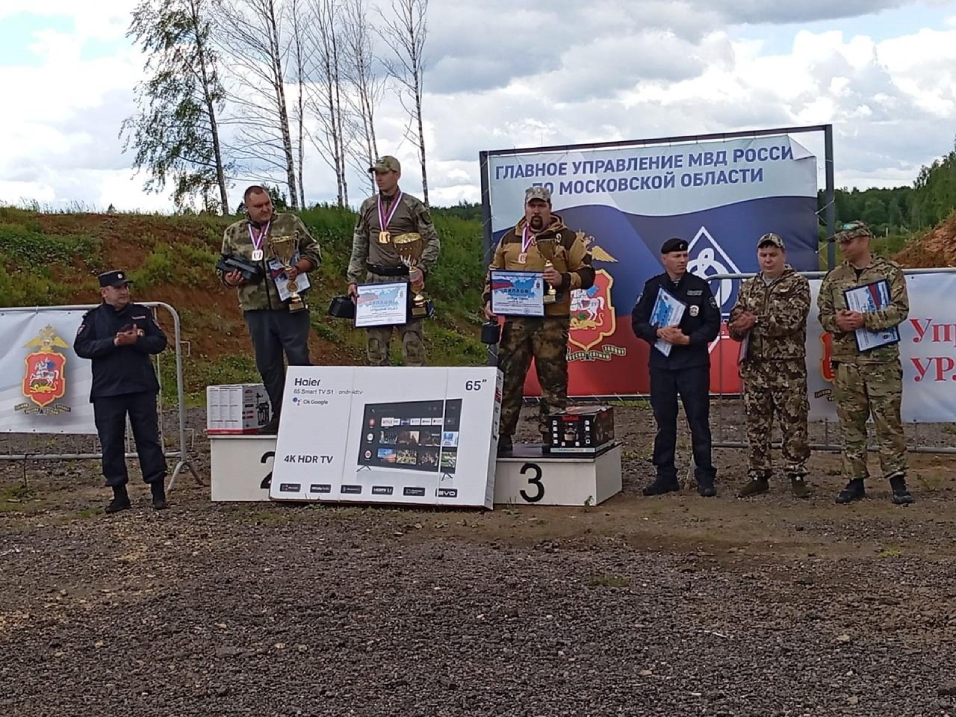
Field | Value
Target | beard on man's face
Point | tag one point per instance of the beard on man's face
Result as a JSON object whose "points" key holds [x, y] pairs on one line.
{"points": [[537, 221]]}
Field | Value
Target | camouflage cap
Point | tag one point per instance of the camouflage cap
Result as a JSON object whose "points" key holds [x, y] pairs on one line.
{"points": [[542, 193], [386, 164], [771, 239], [851, 230]]}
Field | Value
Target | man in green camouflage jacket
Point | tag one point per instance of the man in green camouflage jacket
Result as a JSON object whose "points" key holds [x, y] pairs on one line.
{"points": [[770, 317], [272, 326], [866, 382], [381, 218]]}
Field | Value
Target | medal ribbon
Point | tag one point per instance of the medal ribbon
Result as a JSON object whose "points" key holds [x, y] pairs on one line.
{"points": [[257, 242], [527, 239], [383, 219]]}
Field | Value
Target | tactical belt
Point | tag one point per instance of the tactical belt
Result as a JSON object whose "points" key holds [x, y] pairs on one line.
{"points": [[387, 270]]}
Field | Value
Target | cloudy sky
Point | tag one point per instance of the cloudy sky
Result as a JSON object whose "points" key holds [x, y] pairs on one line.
{"points": [[502, 74]]}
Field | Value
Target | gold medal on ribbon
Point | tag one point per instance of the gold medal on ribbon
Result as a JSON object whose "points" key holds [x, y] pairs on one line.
{"points": [[523, 257], [384, 237]]}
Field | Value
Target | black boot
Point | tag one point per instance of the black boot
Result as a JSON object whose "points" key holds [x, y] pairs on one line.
{"points": [[505, 445], [662, 485], [120, 500], [901, 496], [159, 495], [705, 488], [854, 491]]}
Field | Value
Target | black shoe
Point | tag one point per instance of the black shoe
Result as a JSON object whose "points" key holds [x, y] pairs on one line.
{"points": [[271, 428], [660, 486], [505, 445], [159, 495], [854, 491], [705, 489], [120, 500], [901, 496]]}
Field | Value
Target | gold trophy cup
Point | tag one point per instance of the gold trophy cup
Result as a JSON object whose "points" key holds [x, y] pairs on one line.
{"points": [[546, 248], [410, 247], [284, 249]]}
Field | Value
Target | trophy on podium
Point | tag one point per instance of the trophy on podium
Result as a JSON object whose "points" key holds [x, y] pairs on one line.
{"points": [[546, 247], [410, 247], [284, 249]]}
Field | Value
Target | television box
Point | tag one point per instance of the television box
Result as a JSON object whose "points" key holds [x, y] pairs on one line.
{"points": [[581, 429], [237, 409]]}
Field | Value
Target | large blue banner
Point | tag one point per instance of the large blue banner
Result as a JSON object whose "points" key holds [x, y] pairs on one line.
{"points": [[720, 196]]}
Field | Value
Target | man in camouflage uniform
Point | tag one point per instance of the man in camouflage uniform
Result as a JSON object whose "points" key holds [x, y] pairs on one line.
{"points": [[273, 327], [543, 338], [382, 218], [771, 317], [871, 382]]}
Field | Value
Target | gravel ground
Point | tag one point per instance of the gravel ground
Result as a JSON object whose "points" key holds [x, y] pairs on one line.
{"points": [[666, 606]]}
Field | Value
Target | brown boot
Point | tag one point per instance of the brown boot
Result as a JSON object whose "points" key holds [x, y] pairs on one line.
{"points": [[754, 486], [799, 487]]}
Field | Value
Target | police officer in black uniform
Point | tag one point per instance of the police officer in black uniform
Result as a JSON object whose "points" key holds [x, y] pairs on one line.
{"points": [[685, 372], [119, 337]]}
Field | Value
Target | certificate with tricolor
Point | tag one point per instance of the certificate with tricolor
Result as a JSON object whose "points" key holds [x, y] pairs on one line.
{"points": [[868, 299], [517, 293]]}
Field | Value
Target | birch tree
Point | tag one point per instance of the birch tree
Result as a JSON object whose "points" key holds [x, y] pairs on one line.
{"points": [[405, 32], [175, 132]]}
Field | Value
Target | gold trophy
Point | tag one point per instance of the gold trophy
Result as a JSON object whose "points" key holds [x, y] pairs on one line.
{"points": [[546, 248], [284, 249], [410, 247]]}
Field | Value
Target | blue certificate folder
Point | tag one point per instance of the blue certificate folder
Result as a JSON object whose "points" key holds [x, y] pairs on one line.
{"points": [[668, 311], [866, 299], [517, 293]]}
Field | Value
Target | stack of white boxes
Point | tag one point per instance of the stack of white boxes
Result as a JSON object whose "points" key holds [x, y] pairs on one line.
{"points": [[237, 409]]}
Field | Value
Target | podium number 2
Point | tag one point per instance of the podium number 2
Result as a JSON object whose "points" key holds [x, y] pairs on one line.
{"points": [[267, 481], [534, 480]]}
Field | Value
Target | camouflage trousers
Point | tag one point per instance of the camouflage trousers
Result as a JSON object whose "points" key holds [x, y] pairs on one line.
{"points": [[875, 389], [546, 341], [776, 388], [378, 339]]}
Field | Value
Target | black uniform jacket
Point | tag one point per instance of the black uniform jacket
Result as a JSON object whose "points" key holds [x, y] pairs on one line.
{"points": [[701, 321], [118, 370]]}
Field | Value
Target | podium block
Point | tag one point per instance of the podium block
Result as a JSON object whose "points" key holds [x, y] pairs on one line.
{"points": [[241, 467], [531, 477]]}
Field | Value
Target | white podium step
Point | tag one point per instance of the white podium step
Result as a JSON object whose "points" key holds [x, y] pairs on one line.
{"points": [[531, 477], [241, 467]]}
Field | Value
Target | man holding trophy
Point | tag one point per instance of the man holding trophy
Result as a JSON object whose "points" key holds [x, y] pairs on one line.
{"points": [[394, 242], [539, 249], [267, 257]]}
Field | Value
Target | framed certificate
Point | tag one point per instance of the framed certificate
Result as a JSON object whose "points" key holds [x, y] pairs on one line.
{"points": [[867, 299], [517, 293], [381, 304]]}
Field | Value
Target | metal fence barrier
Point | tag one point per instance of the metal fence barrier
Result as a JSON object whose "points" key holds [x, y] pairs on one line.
{"points": [[181, 455]]}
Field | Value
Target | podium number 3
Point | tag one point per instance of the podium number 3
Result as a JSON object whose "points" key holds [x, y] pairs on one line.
{"points": [[267, 481], [534, 480]]}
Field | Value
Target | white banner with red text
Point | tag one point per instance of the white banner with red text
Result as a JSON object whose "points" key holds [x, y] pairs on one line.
{"points": [[927, 352]]}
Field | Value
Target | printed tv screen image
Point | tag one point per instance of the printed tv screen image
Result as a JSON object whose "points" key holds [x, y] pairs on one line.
{"points": [[412, 435]]}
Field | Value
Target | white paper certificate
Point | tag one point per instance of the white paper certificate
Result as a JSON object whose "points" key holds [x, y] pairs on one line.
{"points": [[517, 293], [277, 272], [668, 311], [382, 304], [867, 299]]}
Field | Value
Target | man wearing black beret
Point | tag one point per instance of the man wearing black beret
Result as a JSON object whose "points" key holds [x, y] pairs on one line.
{"points": [[679, 364], [120, 337]]}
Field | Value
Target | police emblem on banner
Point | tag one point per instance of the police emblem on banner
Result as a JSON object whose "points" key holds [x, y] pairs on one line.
{"points": [[708, 258], [592, 313], [44, 376]]}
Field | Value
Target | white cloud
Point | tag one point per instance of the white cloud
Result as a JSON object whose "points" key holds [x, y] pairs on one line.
{"points": [[503, 76]]}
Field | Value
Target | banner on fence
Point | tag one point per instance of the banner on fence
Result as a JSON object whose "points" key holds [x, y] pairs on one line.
{"points": [[927, 352], [626, 201], [44, 386]]}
